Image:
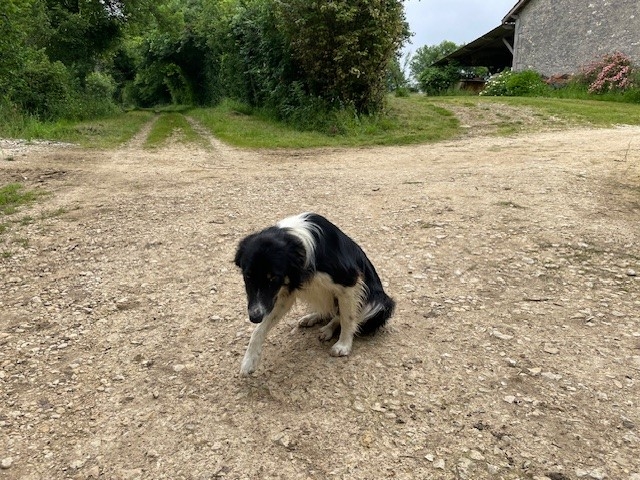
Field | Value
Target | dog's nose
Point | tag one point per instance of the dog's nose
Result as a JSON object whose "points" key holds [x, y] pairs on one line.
{"points": [[256, 313]]}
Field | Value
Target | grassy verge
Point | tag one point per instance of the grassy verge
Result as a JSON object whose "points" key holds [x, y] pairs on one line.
{"points": [[592, 112], [573, 111], [101, 133], [173, 126], [409, 120], [413, 119]]}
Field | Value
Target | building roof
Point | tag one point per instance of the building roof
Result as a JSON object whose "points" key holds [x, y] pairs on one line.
{"points": [[513, 13], [489, 50]]}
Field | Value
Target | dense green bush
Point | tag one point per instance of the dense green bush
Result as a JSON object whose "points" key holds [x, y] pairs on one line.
{"points": [[342, 48], [297, 59], [515, 84], [100, 85], [43, 88], [265, 76], [527, 82], [426, 55], [437, 80]]}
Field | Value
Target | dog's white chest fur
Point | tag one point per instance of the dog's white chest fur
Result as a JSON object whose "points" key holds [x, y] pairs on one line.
{"points": [[321, 294]]}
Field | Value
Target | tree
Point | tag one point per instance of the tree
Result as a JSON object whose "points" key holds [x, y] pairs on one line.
{"points": [[426, 55], [81, 31], [397, 80], [21, 23], [343, 48]]}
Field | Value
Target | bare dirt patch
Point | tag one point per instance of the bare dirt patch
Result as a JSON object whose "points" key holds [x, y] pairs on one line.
{"points": [[514, 351]]}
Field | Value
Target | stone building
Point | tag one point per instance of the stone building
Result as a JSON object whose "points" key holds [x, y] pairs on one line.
{"points": [[559, 36], [556, 37]]}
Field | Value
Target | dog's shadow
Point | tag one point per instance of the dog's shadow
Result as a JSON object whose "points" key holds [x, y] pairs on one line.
{"points": [[289, 357]]}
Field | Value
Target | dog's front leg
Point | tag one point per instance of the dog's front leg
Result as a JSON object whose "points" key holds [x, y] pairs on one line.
{"points": [[349, 303], [254, 350]]}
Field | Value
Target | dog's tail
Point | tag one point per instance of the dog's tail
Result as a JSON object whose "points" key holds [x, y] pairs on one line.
{"points": [[376, 312]]}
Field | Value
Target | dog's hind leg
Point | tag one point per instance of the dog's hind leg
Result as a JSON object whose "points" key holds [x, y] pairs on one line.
{"points": [[327, 332], [311, 320], [254, 350], [350, 304]]}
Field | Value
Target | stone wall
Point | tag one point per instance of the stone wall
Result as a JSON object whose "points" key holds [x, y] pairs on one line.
{"points": [[560, 36]]}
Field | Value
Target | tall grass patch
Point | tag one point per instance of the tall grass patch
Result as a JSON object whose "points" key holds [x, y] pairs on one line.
{"points": [[100, 133], [407, 120]]}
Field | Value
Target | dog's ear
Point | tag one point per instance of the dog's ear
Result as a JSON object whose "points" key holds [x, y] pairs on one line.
{"points": [[242, 247], [296, 257]]}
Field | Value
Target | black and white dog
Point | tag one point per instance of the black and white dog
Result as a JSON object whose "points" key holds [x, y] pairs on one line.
{"points": [[308, 257]]}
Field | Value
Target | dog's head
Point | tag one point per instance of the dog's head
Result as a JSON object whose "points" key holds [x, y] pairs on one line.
{"points": [[271, 264]]}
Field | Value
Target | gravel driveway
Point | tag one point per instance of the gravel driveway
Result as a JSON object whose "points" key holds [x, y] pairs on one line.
{"points": [[514, 352]]}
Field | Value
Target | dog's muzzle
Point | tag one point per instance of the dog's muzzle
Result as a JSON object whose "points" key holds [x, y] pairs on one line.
{"points": [[256, 313]]}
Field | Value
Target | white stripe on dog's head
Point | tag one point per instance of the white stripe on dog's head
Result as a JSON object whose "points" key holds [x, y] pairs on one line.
{"points": [[302, 228]]}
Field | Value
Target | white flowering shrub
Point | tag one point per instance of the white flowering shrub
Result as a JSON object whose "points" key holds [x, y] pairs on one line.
{"points": [[496, 86]]}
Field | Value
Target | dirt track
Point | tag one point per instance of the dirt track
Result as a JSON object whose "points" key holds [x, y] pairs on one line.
{"points": [[514, 351]]}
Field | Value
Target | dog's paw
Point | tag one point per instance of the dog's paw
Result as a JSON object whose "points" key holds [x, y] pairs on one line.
{"points": [[326, 332], [309, 320], [249, 365], [340, 350]]}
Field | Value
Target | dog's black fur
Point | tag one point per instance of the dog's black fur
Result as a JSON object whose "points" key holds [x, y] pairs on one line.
{"points": [[309, 257]]}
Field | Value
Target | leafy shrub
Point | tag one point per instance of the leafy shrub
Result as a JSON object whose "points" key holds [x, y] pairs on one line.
{"points": [[527, 82], [12, 119], [515, 84], [436, 80], [496, 86], [342, 49], [43, 88], [100, 86], [613, 72], [149, 87], [307, 112], [261, 72]]}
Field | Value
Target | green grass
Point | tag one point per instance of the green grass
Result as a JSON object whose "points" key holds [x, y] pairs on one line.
{"points": [[412, 119], [593, 112], [173, 125], [101, 133], [415, 119], [13, 195], [409, 120], [574, 111]]}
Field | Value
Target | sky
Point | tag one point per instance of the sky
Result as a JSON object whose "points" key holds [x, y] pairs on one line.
{"points": [[460, 21]]}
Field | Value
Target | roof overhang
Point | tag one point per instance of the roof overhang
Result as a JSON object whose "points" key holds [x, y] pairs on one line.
{"points": [[493, 49], [513, 13]]}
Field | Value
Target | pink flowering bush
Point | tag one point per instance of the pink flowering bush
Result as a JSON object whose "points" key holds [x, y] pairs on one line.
{"points": [[614, 72]]}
